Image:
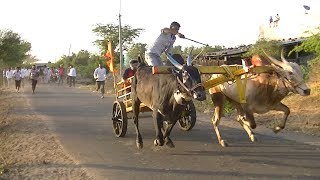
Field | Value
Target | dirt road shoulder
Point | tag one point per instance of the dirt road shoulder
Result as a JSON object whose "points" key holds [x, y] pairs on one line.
{"points": [[28, 148]]}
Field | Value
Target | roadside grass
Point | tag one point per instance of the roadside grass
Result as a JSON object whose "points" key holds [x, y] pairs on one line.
{"points": [[3, 166], [5, 108]]}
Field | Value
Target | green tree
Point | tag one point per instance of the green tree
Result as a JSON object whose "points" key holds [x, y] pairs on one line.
{"points": [[111, 32], [177, 50], [81, 58], [13, 50], [198, 51], [311, 44], [84, 62], [273, 48], [29, 60], [137, 49]]}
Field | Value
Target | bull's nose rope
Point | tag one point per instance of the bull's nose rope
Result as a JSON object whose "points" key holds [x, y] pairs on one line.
{"points": [[187, 89]]}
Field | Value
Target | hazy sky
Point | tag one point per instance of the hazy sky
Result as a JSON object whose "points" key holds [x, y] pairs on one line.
{"points": [[52, 25]]}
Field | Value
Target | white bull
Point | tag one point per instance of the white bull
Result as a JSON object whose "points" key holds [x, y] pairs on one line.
{"points": [[264, 92]]}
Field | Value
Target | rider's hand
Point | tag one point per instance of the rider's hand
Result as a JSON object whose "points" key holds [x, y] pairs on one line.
{"points": [[181, 35]]}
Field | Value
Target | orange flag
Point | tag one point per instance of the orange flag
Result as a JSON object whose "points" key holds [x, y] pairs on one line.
{"points": [[109, 55]]}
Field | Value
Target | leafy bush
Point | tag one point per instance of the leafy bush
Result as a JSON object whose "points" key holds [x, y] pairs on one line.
{"points": [[313, 70], [86, 71], [273, 48]]}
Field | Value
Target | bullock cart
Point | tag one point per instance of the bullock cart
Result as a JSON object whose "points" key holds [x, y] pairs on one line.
{"points": [[122, 106], [122, 110]]}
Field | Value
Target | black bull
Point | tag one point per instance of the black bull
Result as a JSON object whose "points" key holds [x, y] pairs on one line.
{"points": [[167, 95]]}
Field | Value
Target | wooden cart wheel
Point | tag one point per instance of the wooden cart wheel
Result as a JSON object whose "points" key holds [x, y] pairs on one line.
{"points": [[188, 118], [119, 119]]}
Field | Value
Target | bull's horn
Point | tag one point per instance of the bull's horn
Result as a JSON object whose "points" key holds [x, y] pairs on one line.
{"points": [[174, 62], [189, 59], [272, 60], [282, 57]]}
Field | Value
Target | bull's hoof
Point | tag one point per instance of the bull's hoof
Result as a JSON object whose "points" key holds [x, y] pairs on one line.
{"points": [[253, 138], [169, 143], [223, 143], [277, 129], [157, 142], [139, 145]]}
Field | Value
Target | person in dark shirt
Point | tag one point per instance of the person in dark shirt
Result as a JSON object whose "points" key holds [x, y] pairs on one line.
{"points": [[128, 73], [33, 76]]}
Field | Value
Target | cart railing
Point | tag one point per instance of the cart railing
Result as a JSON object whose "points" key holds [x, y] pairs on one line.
{"points": [[123, 93]]}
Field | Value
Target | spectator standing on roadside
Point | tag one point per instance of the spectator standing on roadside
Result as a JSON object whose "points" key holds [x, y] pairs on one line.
{"points": [[72, 76], [61, 75], [9, 76], [100, 75]]}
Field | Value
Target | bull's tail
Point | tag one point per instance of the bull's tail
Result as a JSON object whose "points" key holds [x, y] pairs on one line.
{"points": [[134, 83]]}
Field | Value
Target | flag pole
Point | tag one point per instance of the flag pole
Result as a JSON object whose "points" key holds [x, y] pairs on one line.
{"points": [[115, 86], [120, 41]]}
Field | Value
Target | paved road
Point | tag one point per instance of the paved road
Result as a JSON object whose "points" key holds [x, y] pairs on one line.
{"points": [[83, 123]]}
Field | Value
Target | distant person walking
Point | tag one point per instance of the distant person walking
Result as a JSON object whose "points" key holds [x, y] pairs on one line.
{"points": [[72, 76], [17, 75], [270, 21], [9, 76], [24, 74], [61, 75], [33, 76], [100, 75], [276, 21], [46, 74]]}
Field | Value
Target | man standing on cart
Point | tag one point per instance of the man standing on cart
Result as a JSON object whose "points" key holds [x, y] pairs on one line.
{"points": [[164, 43]]}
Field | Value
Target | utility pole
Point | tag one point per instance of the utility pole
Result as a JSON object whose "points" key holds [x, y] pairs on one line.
{"points": [[69, 50], [69, 58], [120, 42]]}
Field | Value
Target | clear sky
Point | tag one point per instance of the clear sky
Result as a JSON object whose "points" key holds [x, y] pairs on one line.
{"points": [[52, 25]]}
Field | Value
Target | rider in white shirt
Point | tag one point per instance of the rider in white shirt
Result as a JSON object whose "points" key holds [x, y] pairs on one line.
{"points": [[164, 43]]}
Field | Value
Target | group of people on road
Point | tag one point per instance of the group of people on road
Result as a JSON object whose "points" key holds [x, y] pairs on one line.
{"points": [[163, 43], [15, 76], [20, 75], [57, 75]]}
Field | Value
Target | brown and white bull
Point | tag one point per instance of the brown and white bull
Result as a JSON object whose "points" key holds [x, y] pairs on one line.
{"points": [[264, 92], [167, 95]]}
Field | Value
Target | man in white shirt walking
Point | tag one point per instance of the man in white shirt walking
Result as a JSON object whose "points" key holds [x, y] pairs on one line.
{"points": [[72, 76], [100, 75], [9, 76]]}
